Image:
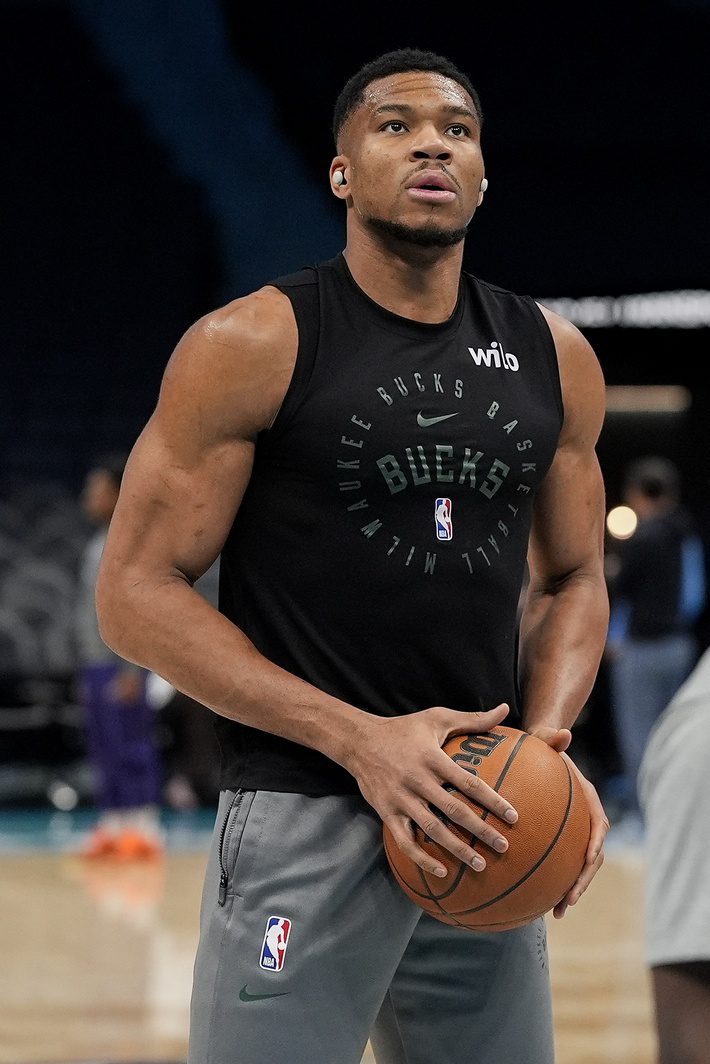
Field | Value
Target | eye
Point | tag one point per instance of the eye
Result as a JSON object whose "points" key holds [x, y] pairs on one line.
{"points": [[459, 131], [395, 122]]}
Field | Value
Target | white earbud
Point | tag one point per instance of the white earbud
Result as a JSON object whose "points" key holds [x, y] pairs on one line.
{"points": [[484, 184], [338, 178]]}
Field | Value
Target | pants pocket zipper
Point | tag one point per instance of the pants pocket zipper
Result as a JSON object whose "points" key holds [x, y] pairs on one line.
{"points": [[224, 844]]}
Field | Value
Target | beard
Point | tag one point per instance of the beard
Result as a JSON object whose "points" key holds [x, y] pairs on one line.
{"points": [[428, 235]]}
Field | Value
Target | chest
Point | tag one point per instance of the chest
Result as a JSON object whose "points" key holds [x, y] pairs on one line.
{"points": [[396, 417]]}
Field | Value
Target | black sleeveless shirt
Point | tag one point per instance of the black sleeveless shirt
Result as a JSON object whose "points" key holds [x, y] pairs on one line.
{"points": [[380, 548]]}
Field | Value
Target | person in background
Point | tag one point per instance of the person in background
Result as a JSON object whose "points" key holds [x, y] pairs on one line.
{"points": [[675, 800], [658, 592], [121, 740]]}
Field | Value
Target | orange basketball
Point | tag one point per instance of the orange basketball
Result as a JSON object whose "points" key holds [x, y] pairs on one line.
{"points": [[547, 845]]}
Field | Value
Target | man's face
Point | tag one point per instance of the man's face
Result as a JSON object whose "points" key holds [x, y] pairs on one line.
{"points": [[412, 130]]}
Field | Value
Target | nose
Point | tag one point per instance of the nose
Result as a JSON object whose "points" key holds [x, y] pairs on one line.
{"points": [[431, 145]]}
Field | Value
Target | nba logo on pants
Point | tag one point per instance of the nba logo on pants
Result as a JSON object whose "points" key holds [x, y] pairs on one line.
{"points": [[273, 949], [442, 519]]}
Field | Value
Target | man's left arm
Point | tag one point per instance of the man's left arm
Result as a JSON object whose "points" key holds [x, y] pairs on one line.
{"points": [[565, 618]]}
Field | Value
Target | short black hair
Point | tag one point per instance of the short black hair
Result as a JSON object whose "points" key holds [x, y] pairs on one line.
{"points": [[654, 476], [397, 62]]}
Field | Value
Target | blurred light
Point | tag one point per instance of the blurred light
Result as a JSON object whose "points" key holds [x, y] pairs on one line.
{"points": [[63, 797], [685, 309], [621, 522], [158, 691], [647, 399]]}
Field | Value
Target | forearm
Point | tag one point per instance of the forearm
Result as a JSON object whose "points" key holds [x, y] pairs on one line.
{"points": [[168, 627], [562, 636]]}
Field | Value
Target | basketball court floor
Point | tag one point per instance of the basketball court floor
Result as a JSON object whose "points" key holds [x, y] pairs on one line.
{"points": [[97, 958]]}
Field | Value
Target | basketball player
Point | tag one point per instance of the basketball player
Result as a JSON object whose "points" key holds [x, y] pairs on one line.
{"points": [[308, 432]]}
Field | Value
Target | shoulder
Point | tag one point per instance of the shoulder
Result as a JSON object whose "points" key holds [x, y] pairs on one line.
{"points": [[238, 357], [572, 346], [258, 320], [581, 377]]}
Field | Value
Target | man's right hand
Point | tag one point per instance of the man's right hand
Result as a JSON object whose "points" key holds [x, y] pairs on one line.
{"points": [[401, 769]]}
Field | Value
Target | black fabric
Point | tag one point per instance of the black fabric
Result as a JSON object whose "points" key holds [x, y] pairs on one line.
{"points": [[333, 567], [650, 575]]}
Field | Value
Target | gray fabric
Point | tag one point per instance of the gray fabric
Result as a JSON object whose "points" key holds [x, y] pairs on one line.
{"points": [[90, 647], [464, 998], [674, 791], [645, 675], [357, 947]]}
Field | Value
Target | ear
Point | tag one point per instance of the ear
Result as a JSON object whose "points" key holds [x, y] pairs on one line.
{"points": [[340, 165], [484, 186]]}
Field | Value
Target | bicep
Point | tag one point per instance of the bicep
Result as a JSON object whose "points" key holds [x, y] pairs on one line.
{"points": [[190, 467], [177, 502], [568, 522]]}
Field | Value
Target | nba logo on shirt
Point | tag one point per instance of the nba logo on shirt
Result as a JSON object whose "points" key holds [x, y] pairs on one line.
{"points": [[442, 519], [273, 948]]}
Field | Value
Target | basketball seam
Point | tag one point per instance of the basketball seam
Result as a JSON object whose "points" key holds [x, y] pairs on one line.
{"points": [[504, 772], [427, 893], [546, 854], [418, 893]]}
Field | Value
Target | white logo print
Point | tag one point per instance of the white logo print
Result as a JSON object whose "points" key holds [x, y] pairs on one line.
{"points": [[425, 422], [494, 356]]}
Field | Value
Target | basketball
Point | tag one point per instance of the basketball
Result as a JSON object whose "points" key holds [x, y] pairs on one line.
{"points": [[547, 845]]}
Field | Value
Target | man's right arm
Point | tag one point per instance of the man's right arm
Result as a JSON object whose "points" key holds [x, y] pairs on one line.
{"points": [[183, 483]]}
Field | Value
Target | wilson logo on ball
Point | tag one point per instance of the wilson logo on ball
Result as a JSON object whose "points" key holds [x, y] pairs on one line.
{"points": [[476, 748]]}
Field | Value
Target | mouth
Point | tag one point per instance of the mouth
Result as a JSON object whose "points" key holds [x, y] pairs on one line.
{"points": [[432, 186], [431, 195]]}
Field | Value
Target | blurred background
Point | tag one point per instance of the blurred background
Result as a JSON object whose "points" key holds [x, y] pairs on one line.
{"points": [[162, 158]]}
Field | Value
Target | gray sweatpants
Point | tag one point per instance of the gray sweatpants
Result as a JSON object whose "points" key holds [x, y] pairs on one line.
{"points": [[308, 947]]}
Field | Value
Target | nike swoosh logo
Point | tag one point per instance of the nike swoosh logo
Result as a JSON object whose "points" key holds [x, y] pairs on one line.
{"points": [[425, 422], [244, 995]]}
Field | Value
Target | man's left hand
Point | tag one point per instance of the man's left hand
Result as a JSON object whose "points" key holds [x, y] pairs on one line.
{"points": [[559, 739]]}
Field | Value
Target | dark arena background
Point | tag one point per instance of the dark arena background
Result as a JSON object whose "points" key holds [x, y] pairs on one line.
{"points": [[163, 158]]}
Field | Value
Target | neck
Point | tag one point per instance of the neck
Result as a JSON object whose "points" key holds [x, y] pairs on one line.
{"points": [[417, 283]]}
